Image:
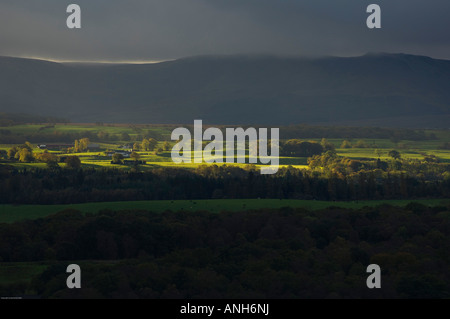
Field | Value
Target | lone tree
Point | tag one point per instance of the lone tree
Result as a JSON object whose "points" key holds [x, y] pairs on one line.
{"points": [[148, 144], [136, 146], [166, 146], [152, 143], [25, 155], [346, 144], [117, 158], [48, 158], [73, 162], [53, 165], [125, 136], [395, 154], [327, 146], [135, 156], [12, 152], [361, 144], [81, 145]]}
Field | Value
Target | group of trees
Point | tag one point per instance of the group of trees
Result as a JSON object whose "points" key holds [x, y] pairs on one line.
{"points": [[50, 159], [284, 253], [51, 135], [358, 144], [330, 163], [73, 162], [151, 144], [22, 153], [118, 158], [81, 145], [393, 134], [10, 137], [146, 145], [298, 148]]}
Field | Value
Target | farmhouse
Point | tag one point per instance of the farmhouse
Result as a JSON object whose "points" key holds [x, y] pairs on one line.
{"points": [[123, 153], [54, 147], [127, 146], [93, 147]]}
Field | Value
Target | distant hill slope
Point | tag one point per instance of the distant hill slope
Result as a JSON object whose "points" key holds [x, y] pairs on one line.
{"points": [[375, 89]]}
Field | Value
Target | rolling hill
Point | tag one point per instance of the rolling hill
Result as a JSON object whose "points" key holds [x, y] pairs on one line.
{"points": [[374, 89]]}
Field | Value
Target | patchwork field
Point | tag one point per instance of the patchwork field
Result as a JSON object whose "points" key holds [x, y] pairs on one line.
{"points": [[108, 137]]}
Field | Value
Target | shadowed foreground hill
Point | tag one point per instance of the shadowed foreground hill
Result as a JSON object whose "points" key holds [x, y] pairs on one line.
{"points": [[375, 89]]}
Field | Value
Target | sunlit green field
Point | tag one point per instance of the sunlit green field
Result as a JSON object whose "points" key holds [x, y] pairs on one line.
{"points": [[379, 148], [163, 159], [12, 213]]}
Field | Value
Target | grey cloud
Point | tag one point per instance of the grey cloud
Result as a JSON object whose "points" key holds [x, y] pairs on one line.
{"points": [[166, 29]]}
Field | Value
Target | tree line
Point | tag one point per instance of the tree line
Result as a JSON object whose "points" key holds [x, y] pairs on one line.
{"points": [[287, 132], [393, 134], [342, 180], [9, 137], [9, 119]]}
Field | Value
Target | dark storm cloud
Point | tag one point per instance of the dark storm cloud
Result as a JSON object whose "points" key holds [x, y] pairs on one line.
{"points": [[165, 29]]}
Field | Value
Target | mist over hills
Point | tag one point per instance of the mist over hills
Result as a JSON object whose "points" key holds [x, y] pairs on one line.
{"points": [[374, 89]]}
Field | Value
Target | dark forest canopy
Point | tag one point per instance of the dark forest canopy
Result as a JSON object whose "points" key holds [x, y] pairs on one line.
{"points": [[284, 253]]}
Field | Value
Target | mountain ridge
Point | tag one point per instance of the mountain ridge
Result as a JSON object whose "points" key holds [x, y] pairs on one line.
{"points": [[394, 89]]}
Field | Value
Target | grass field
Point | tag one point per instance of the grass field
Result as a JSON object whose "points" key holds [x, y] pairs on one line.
{"points": [[369, 153], [13, 213], [408, 149], [96, 159]]}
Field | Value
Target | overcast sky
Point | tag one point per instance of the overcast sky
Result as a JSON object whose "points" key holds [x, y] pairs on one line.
{"points": [[145, 30]]}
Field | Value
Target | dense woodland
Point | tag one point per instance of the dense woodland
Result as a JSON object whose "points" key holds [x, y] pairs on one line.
{"points": [[330, 178], [285, 253]]}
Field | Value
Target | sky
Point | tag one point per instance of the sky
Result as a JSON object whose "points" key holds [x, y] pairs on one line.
{"points": [[157, 30]]}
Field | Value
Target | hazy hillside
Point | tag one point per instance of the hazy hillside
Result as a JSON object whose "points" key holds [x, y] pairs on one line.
{"points": [[375, 89]]}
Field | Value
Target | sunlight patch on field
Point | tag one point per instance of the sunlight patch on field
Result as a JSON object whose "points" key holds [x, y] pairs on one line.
{"points": [[407, 149]]}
